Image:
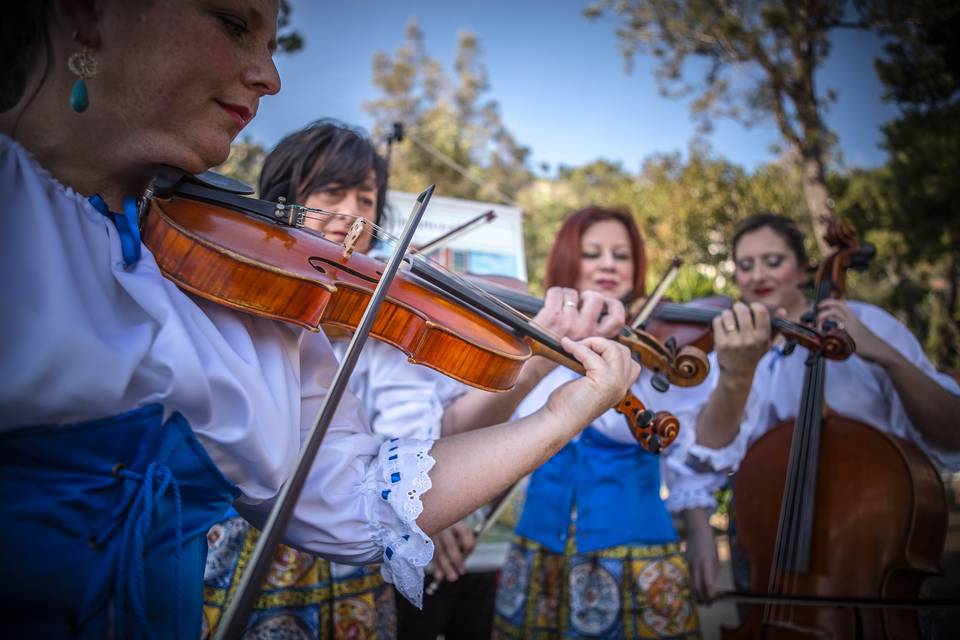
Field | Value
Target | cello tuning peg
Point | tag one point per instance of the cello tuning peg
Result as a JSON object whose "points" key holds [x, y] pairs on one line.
{"points": [[660, 382]]}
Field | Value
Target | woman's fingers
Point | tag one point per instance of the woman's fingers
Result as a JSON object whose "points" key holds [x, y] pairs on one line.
{"points": [[612, 323]]}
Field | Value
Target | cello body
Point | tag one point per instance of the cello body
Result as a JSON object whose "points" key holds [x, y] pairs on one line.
{"points": [[879, 529]]}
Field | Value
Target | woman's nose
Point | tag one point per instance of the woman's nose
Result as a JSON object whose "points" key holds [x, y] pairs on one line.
{"points": [[263, 76]]}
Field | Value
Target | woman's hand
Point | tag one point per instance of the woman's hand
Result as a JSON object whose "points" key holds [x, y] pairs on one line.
{"points": [[702, 558], [609, 372], [869, 345], [451, 548], [741, 336], [568, 313]]}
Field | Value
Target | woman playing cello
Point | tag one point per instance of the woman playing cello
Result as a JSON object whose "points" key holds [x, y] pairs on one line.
{"points": [[888, 384]]}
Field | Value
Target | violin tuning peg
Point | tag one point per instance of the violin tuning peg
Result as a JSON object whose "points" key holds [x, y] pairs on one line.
{"points": [[789, 347], [671, 344], [660, 382], [645, 418], [808, 318], [654, 445]]}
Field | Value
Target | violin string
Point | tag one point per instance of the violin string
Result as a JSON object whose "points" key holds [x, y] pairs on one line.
{"points": [[380, 234]]}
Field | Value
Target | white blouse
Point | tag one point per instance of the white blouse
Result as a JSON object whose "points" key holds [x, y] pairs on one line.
{"points": [[402, 400], [85, 338], [854, 388]]}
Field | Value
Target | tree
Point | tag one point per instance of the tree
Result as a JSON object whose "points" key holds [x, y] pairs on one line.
{"points": [[685, 209], [760, 63], [912, 205], [244, 162], [461, 142], [288, 40]]}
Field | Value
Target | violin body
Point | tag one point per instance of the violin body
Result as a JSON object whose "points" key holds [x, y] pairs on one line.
{"points": [[317, 285], [879, 528]]}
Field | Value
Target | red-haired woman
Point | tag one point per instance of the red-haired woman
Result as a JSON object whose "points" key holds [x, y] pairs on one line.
{"points": [[596, 553]]}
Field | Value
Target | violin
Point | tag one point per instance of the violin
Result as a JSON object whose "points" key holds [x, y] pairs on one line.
{"points": [[214, 241], [841, 522], [681, 333], [691, 323]]}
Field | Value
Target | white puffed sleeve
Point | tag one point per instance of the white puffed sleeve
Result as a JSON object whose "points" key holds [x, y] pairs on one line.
{"points": [[900, 338], [690, 483], [402, 400], [363, 495]]}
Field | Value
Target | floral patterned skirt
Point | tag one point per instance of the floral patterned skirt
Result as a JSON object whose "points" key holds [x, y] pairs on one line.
{"points": [[302, 597], [621, 592]]}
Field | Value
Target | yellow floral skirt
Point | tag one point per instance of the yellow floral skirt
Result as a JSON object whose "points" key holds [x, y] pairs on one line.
{"points": [[628, 591], [302, 597]]}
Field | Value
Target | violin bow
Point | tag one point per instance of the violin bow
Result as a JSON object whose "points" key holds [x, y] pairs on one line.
{"points": [[235, 618], [650, 304], [446, 238]]}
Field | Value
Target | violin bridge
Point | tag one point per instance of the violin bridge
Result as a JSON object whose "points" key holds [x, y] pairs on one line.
{"points": [[350, 241]]}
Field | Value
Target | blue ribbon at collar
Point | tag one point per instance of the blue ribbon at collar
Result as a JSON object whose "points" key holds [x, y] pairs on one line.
{"points": [[126, 224]]}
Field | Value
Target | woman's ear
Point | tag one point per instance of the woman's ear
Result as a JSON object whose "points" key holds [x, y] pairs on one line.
{"points": [[80, 18]]}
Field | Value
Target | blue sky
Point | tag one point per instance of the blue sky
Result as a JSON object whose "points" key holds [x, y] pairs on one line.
{"points": [[559, 80]]}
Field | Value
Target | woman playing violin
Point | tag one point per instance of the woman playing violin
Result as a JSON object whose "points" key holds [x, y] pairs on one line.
{"points": [[335, 169], [888, 383], [596, 553], [132, 414]]}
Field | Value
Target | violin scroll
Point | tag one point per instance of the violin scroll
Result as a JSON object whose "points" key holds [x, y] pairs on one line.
{"points": [[687, 367], [690, 366], [836, 344], [653, 431]]}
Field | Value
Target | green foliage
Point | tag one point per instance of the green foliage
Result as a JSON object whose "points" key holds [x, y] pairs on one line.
{"points": [[685, 209], [746, 60], [244, 162], [450, 116], [911, 207], [288, 40]]}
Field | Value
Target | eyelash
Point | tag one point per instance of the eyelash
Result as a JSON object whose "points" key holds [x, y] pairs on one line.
{"points": [[617, 256], [235, 25]]}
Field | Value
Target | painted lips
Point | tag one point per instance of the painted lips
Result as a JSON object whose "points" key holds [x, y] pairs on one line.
{"points": [[239, 113]]}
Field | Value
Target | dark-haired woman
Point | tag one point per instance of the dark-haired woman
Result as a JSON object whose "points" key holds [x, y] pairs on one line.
{"points": [[334, 168], [888, 383], [596, 553], [132, 413]]}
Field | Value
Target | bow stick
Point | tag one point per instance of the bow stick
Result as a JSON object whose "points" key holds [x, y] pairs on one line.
{"points": [[235, 618]]}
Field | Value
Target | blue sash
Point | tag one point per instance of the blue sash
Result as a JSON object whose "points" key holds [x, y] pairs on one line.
{"points": [[615, 488], [103, 527]]}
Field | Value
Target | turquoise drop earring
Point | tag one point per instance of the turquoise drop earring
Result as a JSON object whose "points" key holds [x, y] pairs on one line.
{"points": [[83, 65]]}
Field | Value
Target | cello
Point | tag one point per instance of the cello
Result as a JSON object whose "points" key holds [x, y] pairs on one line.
{"points": [[841, 522]]}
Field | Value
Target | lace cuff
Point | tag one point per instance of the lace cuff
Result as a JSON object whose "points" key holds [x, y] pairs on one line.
{"points": [[690, 499], [726, 459], [401, 480]]}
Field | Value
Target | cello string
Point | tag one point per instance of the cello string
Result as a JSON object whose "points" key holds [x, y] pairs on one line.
{"points": [[803, 476]]}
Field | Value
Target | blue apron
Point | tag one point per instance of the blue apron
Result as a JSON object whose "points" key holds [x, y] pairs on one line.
{"points": [[103, 527], [616, 491]]}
